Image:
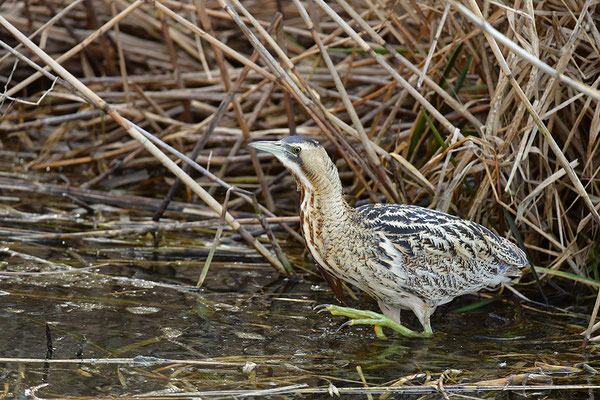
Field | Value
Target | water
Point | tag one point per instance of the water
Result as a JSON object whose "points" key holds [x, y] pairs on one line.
{"points": [[136, 325]]}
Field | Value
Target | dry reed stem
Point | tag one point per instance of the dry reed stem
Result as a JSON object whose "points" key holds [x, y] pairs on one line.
{"points": [[390, 195], [101, 104], [550, 140], [78, 48], [293, 82]]}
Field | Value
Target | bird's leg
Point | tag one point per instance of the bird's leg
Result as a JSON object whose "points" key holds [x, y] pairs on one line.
{"points": [[334, 283], [428, 331], [364, 317], [423, 313]]}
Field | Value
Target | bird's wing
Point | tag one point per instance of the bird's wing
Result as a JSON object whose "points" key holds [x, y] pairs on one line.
{"points": [[432, 249]]}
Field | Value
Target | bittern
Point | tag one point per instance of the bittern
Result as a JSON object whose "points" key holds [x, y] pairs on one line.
{"points": [[404, 256]]}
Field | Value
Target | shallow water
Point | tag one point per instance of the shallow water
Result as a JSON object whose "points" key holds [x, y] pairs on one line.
{"points": [[136, 325]]}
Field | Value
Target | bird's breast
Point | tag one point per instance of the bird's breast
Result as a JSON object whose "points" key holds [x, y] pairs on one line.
{"points": [[333, 241], [311, 225]]}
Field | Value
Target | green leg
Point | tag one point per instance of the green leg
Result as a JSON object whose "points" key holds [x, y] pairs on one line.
{"points": [[428, 332], [358, 317]]}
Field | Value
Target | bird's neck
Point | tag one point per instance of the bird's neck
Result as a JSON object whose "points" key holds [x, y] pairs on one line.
{"points": [[325, 196]]}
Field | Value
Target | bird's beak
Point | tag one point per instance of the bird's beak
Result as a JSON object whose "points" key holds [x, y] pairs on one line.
{"points": [[275, 148]]}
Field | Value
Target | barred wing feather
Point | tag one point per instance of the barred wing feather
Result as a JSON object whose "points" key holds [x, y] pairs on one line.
{"points": [[440, 256]]}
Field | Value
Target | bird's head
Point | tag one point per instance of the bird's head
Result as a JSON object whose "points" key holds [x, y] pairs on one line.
{"points": [[306, 160]]}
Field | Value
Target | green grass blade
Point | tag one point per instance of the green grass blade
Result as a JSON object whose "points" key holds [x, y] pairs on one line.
{"points": [[519, 239], [568, 275], [474, 306]]}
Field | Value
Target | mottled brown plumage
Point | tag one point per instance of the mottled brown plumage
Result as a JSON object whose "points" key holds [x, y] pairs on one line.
{"points": [[406, 257]]}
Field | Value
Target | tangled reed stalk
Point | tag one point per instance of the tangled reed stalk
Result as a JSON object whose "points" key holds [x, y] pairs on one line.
{"points": [[419, 101]]}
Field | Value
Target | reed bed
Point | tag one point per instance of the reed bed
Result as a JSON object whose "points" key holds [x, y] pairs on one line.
{"points": [[419, 102]]}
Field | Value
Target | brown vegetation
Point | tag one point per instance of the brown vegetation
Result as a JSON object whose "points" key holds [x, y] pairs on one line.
{"points": [[415, 102]]}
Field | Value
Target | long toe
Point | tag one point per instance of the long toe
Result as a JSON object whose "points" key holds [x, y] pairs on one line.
{"points": [[364, 317]]}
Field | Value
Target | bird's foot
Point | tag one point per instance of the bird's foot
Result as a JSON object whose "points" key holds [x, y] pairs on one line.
{"points": [[364, 317]]}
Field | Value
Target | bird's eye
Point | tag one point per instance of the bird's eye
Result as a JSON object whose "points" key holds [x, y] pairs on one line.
{"points": [[296, 150]]}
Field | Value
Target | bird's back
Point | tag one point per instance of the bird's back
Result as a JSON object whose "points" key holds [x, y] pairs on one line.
{"points": [[439, 256]]}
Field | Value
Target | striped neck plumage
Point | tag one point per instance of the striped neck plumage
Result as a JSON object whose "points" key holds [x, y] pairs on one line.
{"points": [[323, 187]]}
